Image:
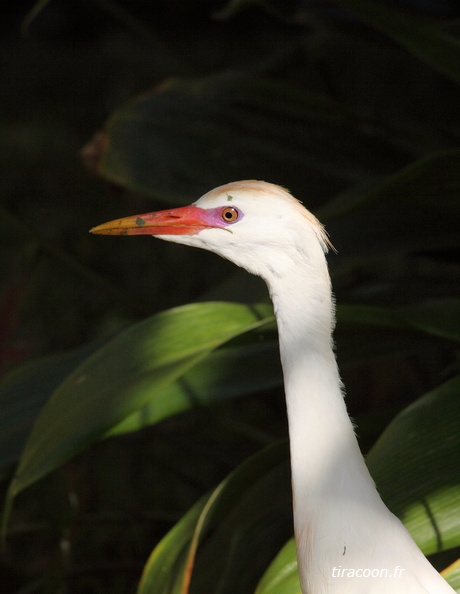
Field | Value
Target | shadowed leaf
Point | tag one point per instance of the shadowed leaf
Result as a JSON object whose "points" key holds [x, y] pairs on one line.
{"points": [[246, 126]]}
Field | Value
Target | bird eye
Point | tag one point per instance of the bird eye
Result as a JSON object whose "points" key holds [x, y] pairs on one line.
{"points": [[229, 214]]}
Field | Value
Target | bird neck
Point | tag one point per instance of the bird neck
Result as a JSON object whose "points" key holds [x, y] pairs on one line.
{"points": [[321, 433], [339, 518], [329, 475]]}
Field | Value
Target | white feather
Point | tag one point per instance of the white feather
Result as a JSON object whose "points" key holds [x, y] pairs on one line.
{"points": [[340, 520]]}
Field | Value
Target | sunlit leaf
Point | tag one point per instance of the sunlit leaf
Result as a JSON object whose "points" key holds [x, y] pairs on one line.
{"points": [[232, 529], [415, 465], [167, 569], [123, 376], [282, 577], [227, 373], [23, 393], [400, 331], [406, 465], [452, 575]]}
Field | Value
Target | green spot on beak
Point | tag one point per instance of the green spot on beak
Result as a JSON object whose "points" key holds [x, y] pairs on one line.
{"points": [[140, 222], [229, 198]]}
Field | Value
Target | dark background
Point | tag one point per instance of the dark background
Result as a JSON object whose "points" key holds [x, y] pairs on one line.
{"points": [[90, 526]]}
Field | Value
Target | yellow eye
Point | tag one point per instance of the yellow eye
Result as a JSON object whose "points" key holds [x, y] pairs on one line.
{"points": [[229, 214]]}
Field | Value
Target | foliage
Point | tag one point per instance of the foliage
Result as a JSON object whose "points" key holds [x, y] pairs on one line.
{"points": [[355, 109]]}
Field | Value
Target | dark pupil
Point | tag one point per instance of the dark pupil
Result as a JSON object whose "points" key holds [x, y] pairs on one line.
{"points": [[229, 214]]}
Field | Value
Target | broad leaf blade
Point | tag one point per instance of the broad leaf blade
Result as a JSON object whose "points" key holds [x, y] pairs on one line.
{"points": [[246, 126], [123, 376], [421, 35], [419, 182], [396, 331], [229, 372], [282, 577], [415, 464], [166, 571], [233, 511], [438, 317], [24, 392], [452, 575], [400, 215]]}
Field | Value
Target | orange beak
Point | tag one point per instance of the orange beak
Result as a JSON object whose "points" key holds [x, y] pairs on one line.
{"points": [[187, 220]]}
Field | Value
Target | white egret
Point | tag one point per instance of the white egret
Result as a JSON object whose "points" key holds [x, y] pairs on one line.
{"points": [[347, 539]]}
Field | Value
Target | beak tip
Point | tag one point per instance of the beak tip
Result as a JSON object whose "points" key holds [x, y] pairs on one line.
{"points": [[106, 229]]}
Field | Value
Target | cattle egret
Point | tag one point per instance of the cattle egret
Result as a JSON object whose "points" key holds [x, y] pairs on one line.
{"points": [[347, 539]]}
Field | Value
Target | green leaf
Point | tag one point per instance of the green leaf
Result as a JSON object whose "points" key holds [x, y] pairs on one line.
{"points": [[405, 463], [452, 575], [167, 570], [246, 126], [422, 36], [436, 317], [123, 376], [415, 464], [24, 392], [408, 330], [400, 215], [365, 333], [277, 9], [420, 182], [227, 535], [282, 577], [227, 373], [33, 13]]}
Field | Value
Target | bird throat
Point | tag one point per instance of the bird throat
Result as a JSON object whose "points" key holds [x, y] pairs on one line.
{"points": [[330, 481]]}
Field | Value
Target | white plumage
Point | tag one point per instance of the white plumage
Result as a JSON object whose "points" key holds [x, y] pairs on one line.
{"points": [[343, 529]]}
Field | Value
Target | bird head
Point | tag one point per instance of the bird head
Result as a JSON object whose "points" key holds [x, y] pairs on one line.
{"points": [[257, 225]]}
